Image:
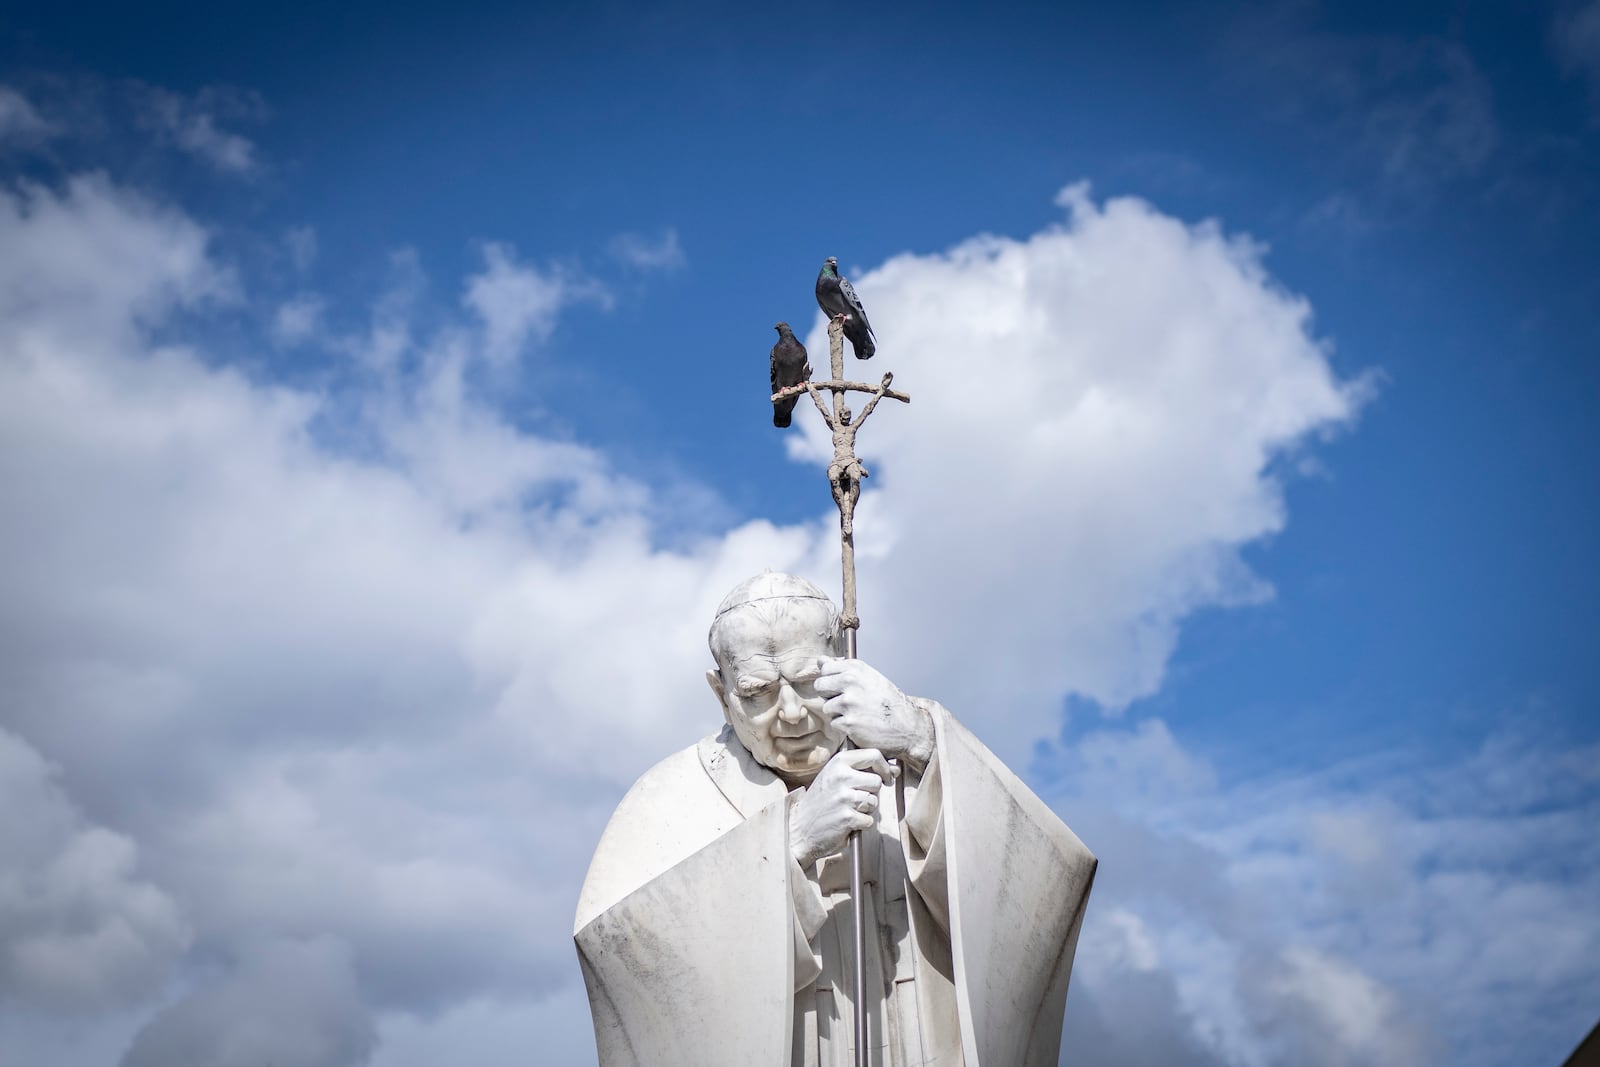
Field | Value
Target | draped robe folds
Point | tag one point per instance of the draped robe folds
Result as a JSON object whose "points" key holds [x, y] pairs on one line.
{"points": [[703, 942]]}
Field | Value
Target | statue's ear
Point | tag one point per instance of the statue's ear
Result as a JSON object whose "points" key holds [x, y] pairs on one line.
{"points": [[714, 680]]}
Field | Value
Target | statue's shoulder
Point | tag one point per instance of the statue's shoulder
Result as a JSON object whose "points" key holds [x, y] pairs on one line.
{"points": [[675, 778], [672, 811]]}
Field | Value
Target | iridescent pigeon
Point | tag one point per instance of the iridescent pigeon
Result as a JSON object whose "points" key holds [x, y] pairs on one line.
{"points": [[789, 367], [836, 296]]}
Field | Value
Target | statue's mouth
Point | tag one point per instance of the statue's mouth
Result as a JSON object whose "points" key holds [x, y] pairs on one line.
{"points": [[797, 741]]}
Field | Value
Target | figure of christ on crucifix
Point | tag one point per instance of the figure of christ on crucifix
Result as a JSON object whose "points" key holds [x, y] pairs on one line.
{"points": [[845, 470]]}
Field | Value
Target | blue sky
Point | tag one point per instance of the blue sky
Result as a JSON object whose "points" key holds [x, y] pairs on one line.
{"points": [[448, 328]]}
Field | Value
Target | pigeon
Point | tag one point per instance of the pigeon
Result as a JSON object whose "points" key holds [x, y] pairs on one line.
{"points": [[789, 367], [836, 296]]}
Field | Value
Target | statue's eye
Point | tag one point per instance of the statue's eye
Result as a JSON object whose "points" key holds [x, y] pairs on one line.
{"points": [[753, 688]]}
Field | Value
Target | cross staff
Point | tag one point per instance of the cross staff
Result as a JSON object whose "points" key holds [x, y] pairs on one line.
{"points": [[844, 477]]}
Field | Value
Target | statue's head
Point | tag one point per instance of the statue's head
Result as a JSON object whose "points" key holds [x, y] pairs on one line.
{"points": [[768, 638]]}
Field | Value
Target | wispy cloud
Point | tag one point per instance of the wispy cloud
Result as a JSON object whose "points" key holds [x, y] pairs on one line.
{"points": [[519, 303], [297, 320], [301, 241], [193, 124], [1406, 112], [20, 121], [389, 337], [1338, 213], [1575, 36], [643, 252]]}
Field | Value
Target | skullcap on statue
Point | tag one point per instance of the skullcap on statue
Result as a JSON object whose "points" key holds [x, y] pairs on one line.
{"points": [[770, 585], [771, 594]]}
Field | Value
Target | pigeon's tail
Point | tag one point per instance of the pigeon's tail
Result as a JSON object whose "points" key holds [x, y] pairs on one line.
{"points": [[860, 340], [783, 411]]}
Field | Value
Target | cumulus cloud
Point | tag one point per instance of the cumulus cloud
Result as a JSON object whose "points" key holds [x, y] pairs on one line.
{"points": [[643, 252], [79, 928], [94, 263], [1104, 400]]}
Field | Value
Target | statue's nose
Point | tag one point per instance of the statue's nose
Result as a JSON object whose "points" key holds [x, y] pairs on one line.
{"points": [[789, 707]]}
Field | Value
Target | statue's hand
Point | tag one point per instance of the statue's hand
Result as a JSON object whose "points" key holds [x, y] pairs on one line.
{"points": [[842, 798], [874, 713]]}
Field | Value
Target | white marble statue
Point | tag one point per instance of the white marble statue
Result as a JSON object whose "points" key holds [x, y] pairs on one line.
{"points": [[715, 923]]}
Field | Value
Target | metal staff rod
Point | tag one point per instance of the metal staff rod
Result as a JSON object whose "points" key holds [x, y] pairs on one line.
{"points": [[845, 473]]}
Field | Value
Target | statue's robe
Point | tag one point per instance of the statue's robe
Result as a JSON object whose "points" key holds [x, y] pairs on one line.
{"points": [[703, 942]]}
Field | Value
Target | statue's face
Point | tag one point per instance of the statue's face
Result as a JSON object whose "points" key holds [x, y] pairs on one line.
{"points": [[767, 675]]}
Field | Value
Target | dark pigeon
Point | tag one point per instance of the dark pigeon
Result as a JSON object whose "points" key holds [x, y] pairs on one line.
{"points": [[789, 367], [836, 296]]}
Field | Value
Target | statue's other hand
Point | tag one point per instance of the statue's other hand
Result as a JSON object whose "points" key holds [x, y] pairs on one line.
{"points": [[873, 712], [842, 798]]}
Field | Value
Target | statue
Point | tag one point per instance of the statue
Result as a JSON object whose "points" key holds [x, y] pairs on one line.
{"points": [[714, 924]]}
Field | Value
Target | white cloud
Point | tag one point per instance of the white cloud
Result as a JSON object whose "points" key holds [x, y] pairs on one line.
{"points": [[1105, 401], [1354, 1012], [518, 303], [93, 263], [643, 252], [1122, 942]]}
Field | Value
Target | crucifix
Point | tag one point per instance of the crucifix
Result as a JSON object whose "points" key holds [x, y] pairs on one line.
{"points": [[845, 473]]}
